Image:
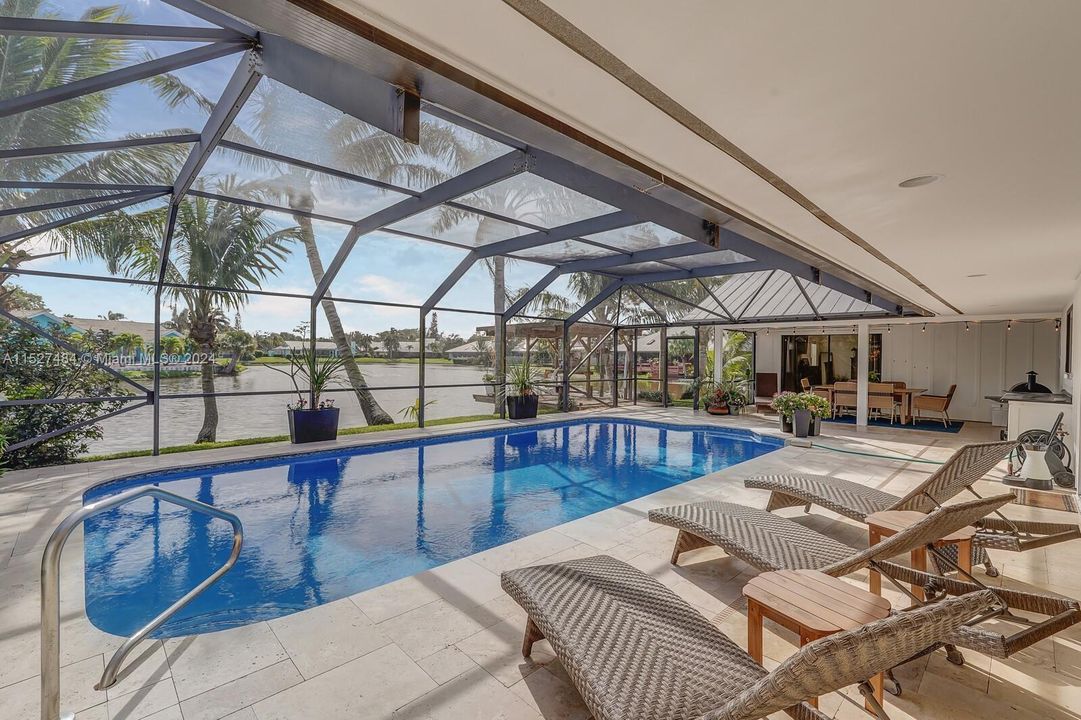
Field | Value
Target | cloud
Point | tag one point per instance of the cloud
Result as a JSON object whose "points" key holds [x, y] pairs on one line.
{"points": [[372, 286]]}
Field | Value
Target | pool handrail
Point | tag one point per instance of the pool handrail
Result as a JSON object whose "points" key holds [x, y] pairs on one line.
{"points": [[50, 589]]}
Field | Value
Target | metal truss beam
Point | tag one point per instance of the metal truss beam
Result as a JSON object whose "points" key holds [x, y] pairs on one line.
{"points": [[315, 167], [678, 299], [806, 296], [491, 172], [115, 78], [20, 153], [594, 302], [638, 291], [651, 255], [268, 206], [115, 31], [700, 272], [531, 294], [755, 294], [599, 187], [75, 202], [343, 86], [611, 221], [92, 213], [60, 185], [716, 299], [240, 87], [591, 264], [448, 282]]}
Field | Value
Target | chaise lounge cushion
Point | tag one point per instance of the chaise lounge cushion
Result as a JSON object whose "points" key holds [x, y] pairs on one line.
{"points": [[765, 540], [632, 646], [844, 497]]}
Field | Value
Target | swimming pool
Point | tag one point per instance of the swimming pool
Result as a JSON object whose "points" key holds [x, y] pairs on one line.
{"points": [[322, 526]]}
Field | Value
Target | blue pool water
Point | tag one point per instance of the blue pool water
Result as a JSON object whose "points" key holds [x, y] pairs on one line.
{"points": [[322, 526]]}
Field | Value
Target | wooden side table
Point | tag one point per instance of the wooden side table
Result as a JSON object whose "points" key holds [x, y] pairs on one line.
{"points": [[812, 604], [889, 522]]}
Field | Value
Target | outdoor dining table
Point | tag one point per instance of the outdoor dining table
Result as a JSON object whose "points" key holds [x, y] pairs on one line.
{"points": [[906, 393]]}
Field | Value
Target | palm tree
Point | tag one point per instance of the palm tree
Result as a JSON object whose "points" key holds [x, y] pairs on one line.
{"points": [[236, 343], [30, 63], [215, 245], [127, 343], [172, 345], [391, 344]]}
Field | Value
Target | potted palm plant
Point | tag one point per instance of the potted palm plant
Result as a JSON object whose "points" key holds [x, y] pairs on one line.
{"points": [[522, 400], [320, 421]]}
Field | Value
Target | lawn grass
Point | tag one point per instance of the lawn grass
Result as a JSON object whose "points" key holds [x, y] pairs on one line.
{"points": [[173, 449]]}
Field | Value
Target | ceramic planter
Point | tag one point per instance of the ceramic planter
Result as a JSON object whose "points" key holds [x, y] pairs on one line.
{"points": [[718, 409], [313, 425], [786, 423], [801, 423], [520, 407], [816, 426]]}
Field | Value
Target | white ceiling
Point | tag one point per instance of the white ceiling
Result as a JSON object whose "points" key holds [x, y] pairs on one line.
{"points": [[843, 100]]}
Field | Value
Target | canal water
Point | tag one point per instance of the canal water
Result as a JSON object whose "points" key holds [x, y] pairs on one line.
{"points": [[263, 415]]}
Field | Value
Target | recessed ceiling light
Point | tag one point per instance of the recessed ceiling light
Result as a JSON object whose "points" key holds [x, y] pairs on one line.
{"points": [[918, 181], [975, 275]]}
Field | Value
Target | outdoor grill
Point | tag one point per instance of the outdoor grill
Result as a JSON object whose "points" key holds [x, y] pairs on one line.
{"points": [[1030, 385]]}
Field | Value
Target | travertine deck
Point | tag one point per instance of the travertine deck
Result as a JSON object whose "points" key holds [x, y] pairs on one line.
{"points": [[445, 643]]}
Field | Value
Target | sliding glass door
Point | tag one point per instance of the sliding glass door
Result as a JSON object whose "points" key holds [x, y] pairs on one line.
{"points": [[825, 359]]}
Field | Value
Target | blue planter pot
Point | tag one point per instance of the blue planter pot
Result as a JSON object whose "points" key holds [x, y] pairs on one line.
{"points": [[522, 406], [313, 425]]}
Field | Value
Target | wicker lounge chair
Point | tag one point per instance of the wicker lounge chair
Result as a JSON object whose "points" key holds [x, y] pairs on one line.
{"points": [[968, 465], [637, 651], [771, 542]]}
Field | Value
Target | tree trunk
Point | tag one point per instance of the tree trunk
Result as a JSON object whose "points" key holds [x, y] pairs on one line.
{"points": [[230, 369], [209, 431], [488, 231], [373, 413], [499, 298]]}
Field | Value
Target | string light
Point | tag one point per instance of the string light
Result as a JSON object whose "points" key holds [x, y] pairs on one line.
{"points": [[1058, 324], [889, 328], [1009, 325], [966, 326], [924, 328]]}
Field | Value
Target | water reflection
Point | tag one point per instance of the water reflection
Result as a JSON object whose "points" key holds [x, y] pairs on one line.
{"points": [[327, 526]]}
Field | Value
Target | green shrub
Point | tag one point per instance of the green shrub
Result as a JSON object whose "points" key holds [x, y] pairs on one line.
{"points": [[31, 368]]}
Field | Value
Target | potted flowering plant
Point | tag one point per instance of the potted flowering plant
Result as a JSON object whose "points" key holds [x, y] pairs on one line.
{"points": [[801, 415], [727, 398], [785, 406], [718, 402], [819, 407], [522, 400], [320, 421]]}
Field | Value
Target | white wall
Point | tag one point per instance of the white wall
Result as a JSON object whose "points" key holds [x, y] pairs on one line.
{"points": [[985, 360]]}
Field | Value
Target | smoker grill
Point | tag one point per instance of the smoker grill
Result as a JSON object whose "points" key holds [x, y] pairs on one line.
{"points": [[1030, 385]]}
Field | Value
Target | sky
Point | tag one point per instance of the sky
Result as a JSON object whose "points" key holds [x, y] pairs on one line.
{"points": [[383, 267]]}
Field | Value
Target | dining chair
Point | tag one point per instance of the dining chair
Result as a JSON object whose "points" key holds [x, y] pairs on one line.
{"points": [[935, 403]]}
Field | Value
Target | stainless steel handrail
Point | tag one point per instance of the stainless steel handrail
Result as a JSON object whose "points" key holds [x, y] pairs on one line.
{"points": [[50, 589]]}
